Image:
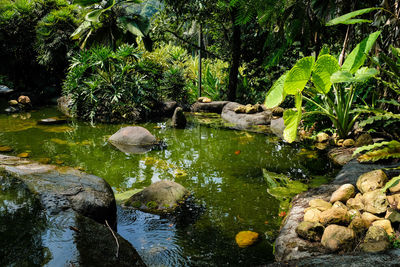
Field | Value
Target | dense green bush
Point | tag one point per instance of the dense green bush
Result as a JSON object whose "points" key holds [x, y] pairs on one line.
{"points": [[33, 32], [112, 86]]}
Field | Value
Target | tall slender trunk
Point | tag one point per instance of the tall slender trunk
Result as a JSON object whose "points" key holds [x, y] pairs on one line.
{"points": [[235, 60]]}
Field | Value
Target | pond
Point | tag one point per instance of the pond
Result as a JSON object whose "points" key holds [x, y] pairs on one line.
{"points": [[222, 168]]}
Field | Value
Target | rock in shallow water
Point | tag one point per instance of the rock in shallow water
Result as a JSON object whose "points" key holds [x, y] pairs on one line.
{"points": [[246, 238], [75, 205], [133, 139], [160, 197]]}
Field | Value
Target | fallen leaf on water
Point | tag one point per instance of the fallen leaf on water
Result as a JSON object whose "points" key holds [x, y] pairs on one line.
{"points": [[237, 152], [266, 222], [169, 238], [170, 225], [282, 214]]}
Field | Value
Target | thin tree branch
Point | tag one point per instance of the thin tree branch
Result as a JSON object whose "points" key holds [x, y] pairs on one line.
{"points": [[116, 239]]}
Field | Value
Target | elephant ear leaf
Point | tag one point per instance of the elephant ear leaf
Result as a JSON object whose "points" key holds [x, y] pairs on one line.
{"points": [[291, 120], [365, 73], [358, 56], [276, 94], [325, 66], [298, 76]]}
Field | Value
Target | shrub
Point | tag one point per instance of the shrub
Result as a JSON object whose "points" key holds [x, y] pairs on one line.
{"points": [[33, 32]]}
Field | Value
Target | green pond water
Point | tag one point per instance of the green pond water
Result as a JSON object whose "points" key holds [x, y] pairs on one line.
{"points": [[222, 168]]}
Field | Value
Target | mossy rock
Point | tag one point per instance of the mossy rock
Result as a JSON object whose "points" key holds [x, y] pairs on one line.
{"points": [[160, 197]]}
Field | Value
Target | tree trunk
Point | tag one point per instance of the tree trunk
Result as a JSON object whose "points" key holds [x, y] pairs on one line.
{"points": [[235, 60]]}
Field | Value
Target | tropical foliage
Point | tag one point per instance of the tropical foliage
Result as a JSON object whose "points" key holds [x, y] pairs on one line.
{"points": [[333, 91]]}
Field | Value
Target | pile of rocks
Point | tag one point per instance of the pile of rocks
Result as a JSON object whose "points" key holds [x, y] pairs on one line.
{"points": [[354, 220], [22, 104]]}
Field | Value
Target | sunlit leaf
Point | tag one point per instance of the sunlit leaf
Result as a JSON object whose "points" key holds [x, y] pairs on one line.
{"points": [[392, 183], [325, 66], [365, 73], [276, 94], [81, 30], [342, 77], [292, 120], [298, 76], [358, 56]]}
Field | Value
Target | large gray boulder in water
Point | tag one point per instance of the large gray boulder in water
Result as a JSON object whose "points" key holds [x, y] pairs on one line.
{"points": [[53, 216], [160, 197], [133, 139]]}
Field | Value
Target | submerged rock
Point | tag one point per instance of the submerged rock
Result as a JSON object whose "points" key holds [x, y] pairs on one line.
{"points": [[246, 238], [133, 139], [160, 197], [178, 119]]}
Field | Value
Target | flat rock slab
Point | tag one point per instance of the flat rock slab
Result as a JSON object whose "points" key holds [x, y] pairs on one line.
{"points": [[212, 107], [353, 169], [57, 210], [242, 120]]}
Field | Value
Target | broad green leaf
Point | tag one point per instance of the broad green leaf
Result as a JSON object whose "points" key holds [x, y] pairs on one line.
{"points": [[298, 76], [392, 183], [80, 30], [357, 57], [94, 16], [342, 77], [276, 94], [365, 73], [292, 120], [325, 66], [324, 51], [348, 18]]}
